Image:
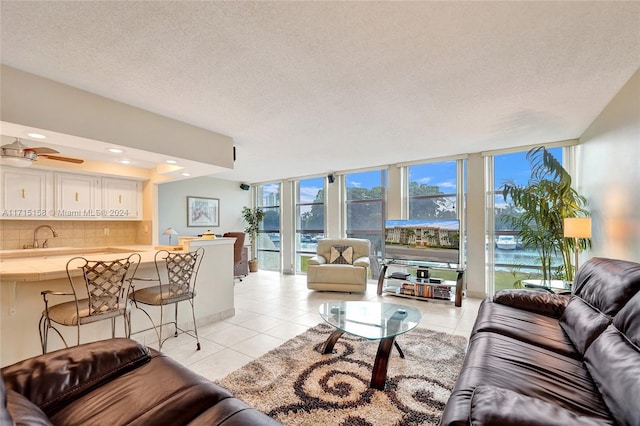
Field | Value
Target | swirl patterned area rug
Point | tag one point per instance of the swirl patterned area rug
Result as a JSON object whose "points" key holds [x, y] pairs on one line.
{"points": [[297, 385]]}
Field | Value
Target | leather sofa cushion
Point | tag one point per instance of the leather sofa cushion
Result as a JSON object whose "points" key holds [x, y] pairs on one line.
{"points": [[501, 361], [603, 287], [607, 284], [161, 391], [496, 406], [52, 380], [541, 302], [540, 330], [613, 360], [232, 412], [24, 412], [583, 323]]}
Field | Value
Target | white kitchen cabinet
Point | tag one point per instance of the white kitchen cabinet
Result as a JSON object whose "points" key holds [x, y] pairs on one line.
{"points": [[121, 198], [76, 196], [25, 194]]}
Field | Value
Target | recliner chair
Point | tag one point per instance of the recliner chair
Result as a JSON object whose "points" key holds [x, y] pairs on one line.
{"points": [[340, 264]]}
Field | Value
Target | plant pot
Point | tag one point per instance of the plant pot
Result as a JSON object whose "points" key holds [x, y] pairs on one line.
{"points": [[253, 265]]}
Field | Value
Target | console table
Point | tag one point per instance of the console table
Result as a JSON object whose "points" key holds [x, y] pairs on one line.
{"points": [[413, 280]]}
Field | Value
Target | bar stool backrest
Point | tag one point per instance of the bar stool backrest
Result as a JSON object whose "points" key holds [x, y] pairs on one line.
{"points": [[181, 270], [106, 282]]}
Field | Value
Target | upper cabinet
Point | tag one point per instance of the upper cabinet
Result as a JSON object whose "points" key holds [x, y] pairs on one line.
{"points": [[25, 194], [34, 194], [76, 195], [121, 198]]}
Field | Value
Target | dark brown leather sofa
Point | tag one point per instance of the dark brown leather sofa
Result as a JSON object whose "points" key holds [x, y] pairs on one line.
{"points": [[115, 382], [537, 358]]}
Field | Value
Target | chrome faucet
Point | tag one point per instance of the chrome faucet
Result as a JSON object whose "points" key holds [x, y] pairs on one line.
{"points": [[45, 244]]}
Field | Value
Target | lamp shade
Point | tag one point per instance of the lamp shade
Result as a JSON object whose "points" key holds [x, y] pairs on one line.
{"points": [[169, 231], [577, 227]]}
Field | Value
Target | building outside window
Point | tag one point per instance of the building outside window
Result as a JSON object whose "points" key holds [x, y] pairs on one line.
{"points": [[268, 199], [365, 204], [310, 223]]}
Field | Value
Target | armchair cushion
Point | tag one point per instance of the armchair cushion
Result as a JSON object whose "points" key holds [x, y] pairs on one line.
{"points": [[342, 255]]}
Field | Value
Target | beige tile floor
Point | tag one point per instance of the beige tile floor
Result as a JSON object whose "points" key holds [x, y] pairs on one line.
{"points": [[271, 308]]}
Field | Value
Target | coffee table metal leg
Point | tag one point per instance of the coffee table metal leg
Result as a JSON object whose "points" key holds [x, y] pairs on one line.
{"points": [[379, 375], [327, 348]]}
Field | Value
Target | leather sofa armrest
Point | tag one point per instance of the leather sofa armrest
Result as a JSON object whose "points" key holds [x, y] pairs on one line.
{"points": [[541, 302], [498, 406], [362, 261], [53, 380], [317, 260]]}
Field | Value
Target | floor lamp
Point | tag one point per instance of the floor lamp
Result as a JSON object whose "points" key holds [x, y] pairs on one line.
{"points": [[577, 227]]}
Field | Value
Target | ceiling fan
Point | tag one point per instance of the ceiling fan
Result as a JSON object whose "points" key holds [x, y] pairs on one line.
{"points": [[19, 155]]}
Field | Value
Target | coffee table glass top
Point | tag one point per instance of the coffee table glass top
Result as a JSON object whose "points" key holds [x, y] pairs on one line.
{"points": [[371, 320]]}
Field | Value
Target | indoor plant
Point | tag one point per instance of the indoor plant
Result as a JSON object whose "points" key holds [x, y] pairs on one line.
{"points": [[253, 217], [540, 207]]}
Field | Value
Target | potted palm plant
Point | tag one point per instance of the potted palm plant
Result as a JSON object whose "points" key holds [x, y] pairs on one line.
{"points": [[253, 217], [539, 209]]}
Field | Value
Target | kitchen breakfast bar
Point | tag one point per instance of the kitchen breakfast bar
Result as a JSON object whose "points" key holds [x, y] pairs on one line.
{"points": [[25, 273]]}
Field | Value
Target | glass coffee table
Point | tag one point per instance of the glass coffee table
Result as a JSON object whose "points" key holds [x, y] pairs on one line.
{"points": [[373, 321]]}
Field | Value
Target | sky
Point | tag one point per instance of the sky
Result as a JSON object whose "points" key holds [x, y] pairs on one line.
{"points": [[507, 166]]}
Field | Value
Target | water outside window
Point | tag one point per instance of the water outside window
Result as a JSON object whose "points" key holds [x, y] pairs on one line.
{"points": [[512, 261]]}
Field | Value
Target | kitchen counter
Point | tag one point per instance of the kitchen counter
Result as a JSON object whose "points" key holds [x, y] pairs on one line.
{"points": [[50, 263], [25, 273]]}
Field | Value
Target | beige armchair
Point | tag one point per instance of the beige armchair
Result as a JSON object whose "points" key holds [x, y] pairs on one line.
{"points": [[340, 264]]}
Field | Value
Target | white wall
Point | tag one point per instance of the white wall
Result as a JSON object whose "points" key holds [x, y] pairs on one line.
{"points": [[41, 103], [609, 175], [172, 205]]}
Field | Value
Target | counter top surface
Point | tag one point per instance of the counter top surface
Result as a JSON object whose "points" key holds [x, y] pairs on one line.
{"points": [[50, 263]]}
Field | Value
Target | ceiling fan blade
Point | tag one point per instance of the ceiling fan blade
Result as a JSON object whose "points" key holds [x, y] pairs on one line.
{"points": [[67, 159], [44, 150]]}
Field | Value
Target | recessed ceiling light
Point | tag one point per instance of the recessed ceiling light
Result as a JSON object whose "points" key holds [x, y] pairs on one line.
{"points": [[171, 161], [186, 174], [125, 162], [36, 135], [115, 150]]}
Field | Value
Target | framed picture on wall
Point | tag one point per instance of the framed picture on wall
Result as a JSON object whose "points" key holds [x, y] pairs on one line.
{"points": [[203, 211]]}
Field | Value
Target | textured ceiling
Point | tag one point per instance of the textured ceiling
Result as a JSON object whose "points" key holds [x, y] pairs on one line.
{"points": [[308, 88]]}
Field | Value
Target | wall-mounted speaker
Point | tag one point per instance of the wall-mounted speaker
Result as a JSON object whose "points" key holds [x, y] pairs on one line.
{"points": [[244, 186], [331, 178]]}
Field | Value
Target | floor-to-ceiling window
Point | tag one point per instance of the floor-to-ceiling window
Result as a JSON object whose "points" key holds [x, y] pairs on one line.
{"points": [[310, 222], [509, 260], [365, 207], [268, 199], [433, 190]]}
